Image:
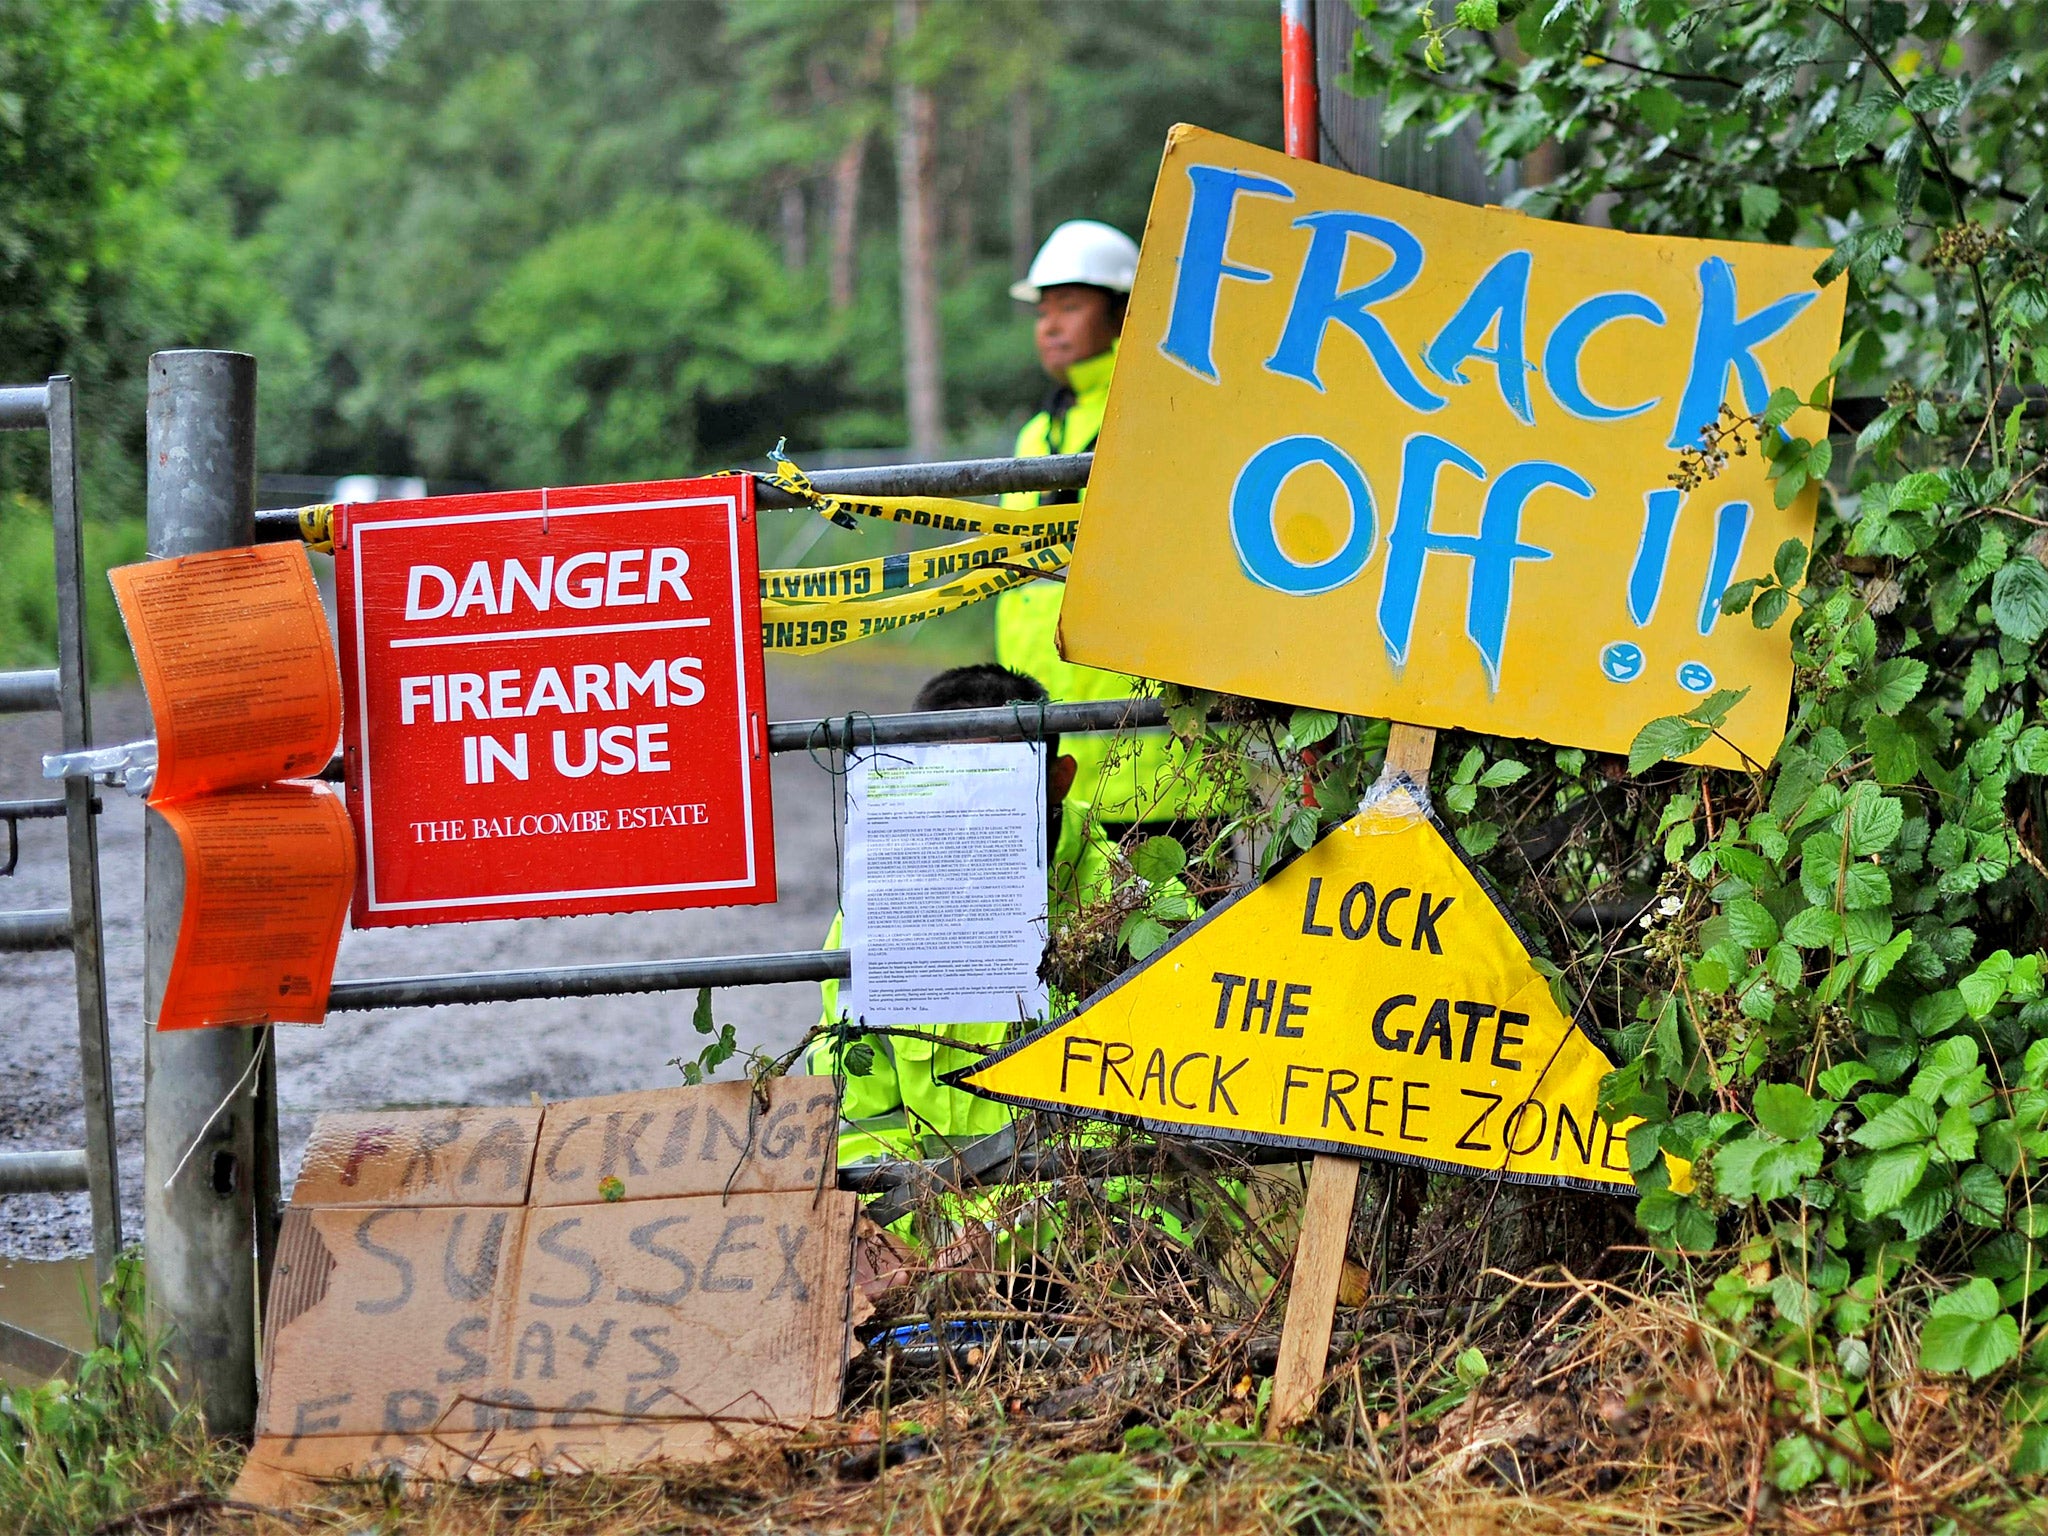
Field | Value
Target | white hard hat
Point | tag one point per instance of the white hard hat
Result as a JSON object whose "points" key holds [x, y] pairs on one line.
{"points": [[1080, 251]]}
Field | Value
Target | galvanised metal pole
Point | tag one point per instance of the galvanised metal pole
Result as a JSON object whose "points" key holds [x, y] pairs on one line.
{"points": [[95, 1056], [199, 1142]]}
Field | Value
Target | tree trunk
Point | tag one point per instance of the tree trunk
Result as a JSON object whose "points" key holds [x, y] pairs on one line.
{"points": [[1023, 230], [916, 130], [845, 218], [796, 247]]}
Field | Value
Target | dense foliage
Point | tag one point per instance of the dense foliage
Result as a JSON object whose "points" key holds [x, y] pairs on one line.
{"points": [[530, 241], [1831, 1005]]}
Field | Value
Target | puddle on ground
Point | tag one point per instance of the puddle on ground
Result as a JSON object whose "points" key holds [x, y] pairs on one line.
{"points": [[46, 1296]]}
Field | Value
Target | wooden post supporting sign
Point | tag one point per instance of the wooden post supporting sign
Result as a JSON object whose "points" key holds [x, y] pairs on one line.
{"points": [[1326, 1213]]}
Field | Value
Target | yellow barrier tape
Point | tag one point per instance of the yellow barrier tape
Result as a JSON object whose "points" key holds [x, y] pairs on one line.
{"points": [[823, 625], [316, 527], [944, 513], [894, 573]]}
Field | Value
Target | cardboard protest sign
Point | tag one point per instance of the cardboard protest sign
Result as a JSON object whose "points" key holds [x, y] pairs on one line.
{"points": [[479, 1292], [1379, 452], [555, 702], [234, 653], [1369, 1000]]}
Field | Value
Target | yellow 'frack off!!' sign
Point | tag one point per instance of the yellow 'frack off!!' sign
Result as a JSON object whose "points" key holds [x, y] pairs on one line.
{"points": [[1413, 459], [1370, 999]]}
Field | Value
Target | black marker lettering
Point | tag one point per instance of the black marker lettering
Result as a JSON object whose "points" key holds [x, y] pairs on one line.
{"points": [[1493, 1102], [1309, 925]]}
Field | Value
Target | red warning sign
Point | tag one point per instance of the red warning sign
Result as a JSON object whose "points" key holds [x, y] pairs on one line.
{"points": [[554, 702]]}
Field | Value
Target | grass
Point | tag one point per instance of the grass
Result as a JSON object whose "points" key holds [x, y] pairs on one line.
{"points": [[1462, 1397], [28, 590], [75, 1454]]}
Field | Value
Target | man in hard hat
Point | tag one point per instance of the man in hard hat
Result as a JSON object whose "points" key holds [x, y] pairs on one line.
{"points": [[1080, 282]]}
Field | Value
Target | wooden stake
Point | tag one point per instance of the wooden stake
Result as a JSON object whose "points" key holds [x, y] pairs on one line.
{"points": [[1326, 1213]]}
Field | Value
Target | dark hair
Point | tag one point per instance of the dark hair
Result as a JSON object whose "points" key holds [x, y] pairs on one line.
{"points": [[982, 686], [988, 686]]}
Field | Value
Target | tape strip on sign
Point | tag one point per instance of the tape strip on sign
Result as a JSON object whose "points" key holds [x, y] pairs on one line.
{"points": [[1370, 1000], [820, 626], [897, 573]]}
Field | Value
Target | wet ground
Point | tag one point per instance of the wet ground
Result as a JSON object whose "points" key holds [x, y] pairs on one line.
{"points": [[497, 1054]]}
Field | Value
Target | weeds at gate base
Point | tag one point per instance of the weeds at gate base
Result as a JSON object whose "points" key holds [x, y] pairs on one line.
{"points": [[73, 1454]]}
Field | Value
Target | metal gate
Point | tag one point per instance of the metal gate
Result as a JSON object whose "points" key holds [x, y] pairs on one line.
{"points": [[50, 407]]}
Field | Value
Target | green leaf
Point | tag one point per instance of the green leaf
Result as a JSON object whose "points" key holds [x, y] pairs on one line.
{"points": [[1479, 15], [2030, 752], [1759, 1168], [1750, 924], [1790, 564], [1769, 607], [1873, 821], [1664, 738], [1891, 1176], [1983, 988], [1967, 1331], [700, 1018], [1924, 490], [1782, 406], [1788, 1112], [1813, 928], [1795, 1462], [1980, 1196], [1504, 772], [2019, 599], [1478, 837], [859, 1059], [1860, 121], [1865, 885], [1759, 204], [1159, 859], [1894, 684], [1142, 934], [1956, 1134], [1306, 727], [1903, 1121], [1838, 1080]]}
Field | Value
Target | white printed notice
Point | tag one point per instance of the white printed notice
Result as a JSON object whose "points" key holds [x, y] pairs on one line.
{"points": [[945, 883]]}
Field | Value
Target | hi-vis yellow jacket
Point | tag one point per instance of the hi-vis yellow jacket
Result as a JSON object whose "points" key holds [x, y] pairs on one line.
{"points": [[1149, 779], [899, 1108]]}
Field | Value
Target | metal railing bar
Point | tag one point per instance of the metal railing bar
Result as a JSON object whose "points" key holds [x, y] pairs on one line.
{"points": [[44, 1173], [589, 980], [35, 1355], [47, 928], [24, 407], [1010, 722], [1018, 722], [23, 693], [49, 808], [954, 477]]}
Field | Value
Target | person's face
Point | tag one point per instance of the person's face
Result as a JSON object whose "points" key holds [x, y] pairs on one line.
{"points": [[1075, 322]]}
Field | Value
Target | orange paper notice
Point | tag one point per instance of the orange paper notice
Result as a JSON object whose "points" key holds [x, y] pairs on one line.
{"points": [[241, 674], [263, 919], [234, 652]]}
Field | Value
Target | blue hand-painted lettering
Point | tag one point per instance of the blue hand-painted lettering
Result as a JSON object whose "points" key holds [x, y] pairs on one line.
{"points": [[1493, 551], [1499, 301], [1191, 325], [1567, 343], [1653, 552], [1731, 528], [1252, 502], [1320, 300], [1725, 340]]}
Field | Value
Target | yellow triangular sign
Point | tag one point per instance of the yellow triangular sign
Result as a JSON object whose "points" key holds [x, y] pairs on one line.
{"points": [[1369, 1000]]}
